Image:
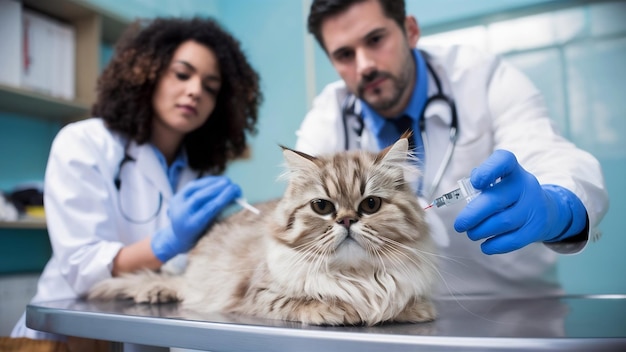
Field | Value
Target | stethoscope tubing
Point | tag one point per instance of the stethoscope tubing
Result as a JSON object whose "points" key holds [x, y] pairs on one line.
{"points": [[117, 181]]}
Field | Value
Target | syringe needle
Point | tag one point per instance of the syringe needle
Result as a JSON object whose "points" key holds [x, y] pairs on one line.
{"points": [[448, 198], [465, 191]]}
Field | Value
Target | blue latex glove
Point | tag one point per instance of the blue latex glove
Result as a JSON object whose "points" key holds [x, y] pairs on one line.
{"points": [[190, 212], [518, 210]]}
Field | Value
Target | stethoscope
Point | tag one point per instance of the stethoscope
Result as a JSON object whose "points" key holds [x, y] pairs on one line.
{"points": [[117, 181], [353, 122]]}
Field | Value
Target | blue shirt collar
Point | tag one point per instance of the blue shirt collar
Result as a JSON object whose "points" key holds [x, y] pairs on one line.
{"points": [[377, 124], [174, 170]]}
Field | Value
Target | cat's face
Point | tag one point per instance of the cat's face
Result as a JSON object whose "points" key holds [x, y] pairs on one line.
{"points": [[351, 209]]}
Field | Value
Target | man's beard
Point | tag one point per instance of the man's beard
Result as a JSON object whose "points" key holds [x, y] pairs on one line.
{"points": [[399, 85]]}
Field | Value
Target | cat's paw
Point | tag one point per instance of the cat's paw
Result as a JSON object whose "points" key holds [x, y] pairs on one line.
{"points": [[142, 287], [324, 313], [417, 311], [155, 294]]}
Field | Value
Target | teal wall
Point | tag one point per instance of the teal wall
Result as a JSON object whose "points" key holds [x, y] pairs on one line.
{"points": [[131, 9], [272, 34], [24, 145], [293, 69]]}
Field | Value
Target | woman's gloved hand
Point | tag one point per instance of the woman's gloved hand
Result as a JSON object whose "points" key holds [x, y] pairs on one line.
{"points": [[518, 210], [190, 212]]}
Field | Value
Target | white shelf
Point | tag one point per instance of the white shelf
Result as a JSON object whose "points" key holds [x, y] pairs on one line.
{"points": [[24, 223], [27, 102]]}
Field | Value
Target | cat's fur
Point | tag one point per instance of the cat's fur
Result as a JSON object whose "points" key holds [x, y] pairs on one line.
{"points": [[291, 263]]}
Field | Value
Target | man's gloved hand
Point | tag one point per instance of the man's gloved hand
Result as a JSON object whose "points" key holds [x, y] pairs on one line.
{"points": [[190, 212], [518, 210]]}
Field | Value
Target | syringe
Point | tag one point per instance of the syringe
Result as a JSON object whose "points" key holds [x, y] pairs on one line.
{"points": [[465, 191], [244, 203]]}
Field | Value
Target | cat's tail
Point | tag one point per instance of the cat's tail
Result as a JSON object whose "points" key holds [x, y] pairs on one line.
{"points": [[143, 287]]}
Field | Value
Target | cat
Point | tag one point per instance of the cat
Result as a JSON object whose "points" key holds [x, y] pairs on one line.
{"points": [[347, 244]]}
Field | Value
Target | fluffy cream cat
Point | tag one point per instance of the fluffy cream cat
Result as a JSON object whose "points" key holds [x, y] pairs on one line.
{"points": [[347, 244]]}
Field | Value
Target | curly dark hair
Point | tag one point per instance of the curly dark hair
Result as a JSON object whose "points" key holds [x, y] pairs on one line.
{"points": [[322, 9], [142, 55]]}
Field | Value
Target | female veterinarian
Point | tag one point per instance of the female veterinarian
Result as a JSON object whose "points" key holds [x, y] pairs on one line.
{"points": [[136, 185]]}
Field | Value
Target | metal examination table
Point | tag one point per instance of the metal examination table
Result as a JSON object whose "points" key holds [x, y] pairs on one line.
{"points": [[568, 323]]}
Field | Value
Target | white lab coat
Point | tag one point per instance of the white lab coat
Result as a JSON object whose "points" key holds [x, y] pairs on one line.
{"points": [[498, 108], [85, 223]]}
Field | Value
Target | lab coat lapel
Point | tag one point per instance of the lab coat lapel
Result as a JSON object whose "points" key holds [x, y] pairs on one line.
{"points": [[151, 169]]}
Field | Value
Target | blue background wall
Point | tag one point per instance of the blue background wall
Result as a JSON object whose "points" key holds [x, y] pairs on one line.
{"points": [[272, 32]]}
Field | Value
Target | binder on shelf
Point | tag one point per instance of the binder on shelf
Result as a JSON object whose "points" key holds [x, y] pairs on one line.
{"points": [[49, 49], [37, 47], [10, 42], [67, 86]]}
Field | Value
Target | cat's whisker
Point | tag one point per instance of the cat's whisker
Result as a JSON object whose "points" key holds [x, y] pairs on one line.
{"points": [[305, 255], [401, 245], [396, 248], [433, 254], [315, 252], [426, 260], [444, 257], [316, 265], [394, 255], [305, 246], [417, 251], [373, 250], [328, 250], [393, 247]]}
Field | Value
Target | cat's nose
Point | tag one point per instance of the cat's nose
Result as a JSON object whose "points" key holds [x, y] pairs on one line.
{"points": [[347, 221]]}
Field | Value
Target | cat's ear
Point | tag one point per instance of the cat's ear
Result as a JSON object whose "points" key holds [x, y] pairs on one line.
{"points": [[298, 160], [397, 152], [399, 157]]}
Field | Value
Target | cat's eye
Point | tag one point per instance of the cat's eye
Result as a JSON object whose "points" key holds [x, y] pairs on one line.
{"points": [[370, 205], [322, 206]]}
